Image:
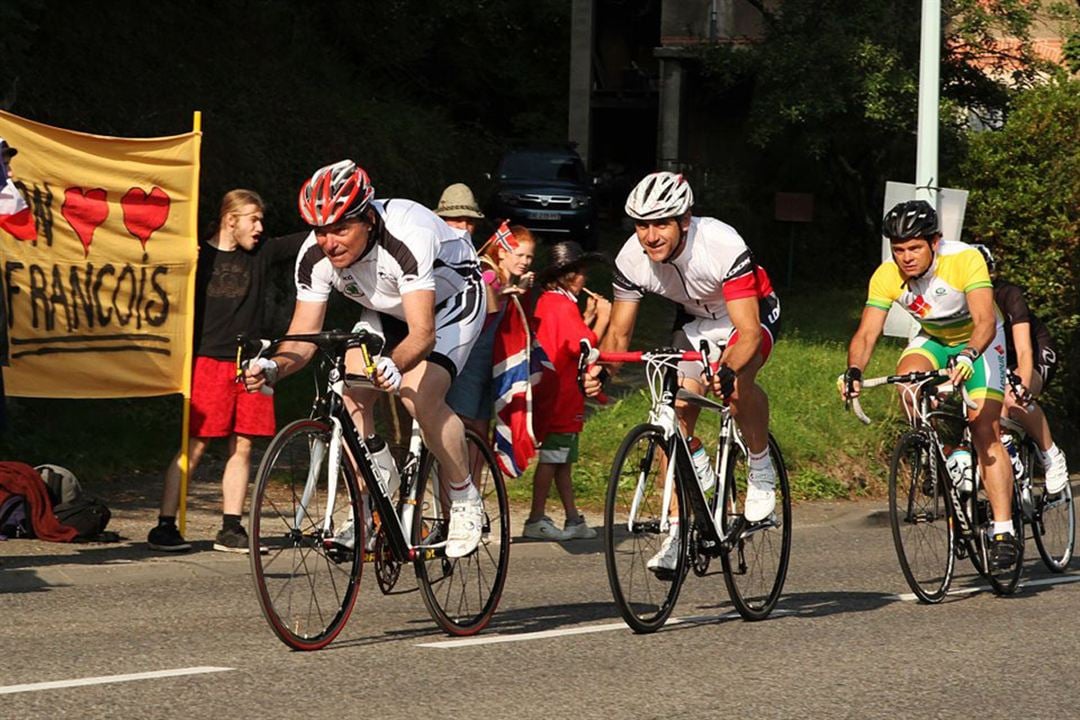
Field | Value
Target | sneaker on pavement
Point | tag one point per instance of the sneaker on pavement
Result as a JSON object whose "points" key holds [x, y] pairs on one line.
{"points": [[760, 495], [167, 538], [1057, 472], [667, 557], [579, 529], [234, 540], [544, 529], [466, 527], [1002, 551]]}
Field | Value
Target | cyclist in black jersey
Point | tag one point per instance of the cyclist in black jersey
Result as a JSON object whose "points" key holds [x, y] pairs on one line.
{"points": [[1031, 357]]}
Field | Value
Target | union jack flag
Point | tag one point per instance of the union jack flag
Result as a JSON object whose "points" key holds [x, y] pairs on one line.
{"points": [[519, 365]]}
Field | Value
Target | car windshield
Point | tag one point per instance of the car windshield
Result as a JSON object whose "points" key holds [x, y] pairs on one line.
{"points": [[543, 167]]}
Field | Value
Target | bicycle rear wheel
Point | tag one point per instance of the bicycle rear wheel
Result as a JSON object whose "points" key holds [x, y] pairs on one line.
{"points": [[919, 515], [462, 593], [756, 565], [1054, 519], [633, 534], [306, 583]]}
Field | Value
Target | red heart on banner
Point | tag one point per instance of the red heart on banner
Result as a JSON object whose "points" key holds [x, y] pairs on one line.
{"points": [[144, 213], [84, 210]]}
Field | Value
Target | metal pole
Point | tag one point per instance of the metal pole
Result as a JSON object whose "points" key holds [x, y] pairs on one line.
{"points": [[926, 158]]}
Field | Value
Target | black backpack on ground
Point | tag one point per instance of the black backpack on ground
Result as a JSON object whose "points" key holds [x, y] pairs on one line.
{"points": [[72, 507]]}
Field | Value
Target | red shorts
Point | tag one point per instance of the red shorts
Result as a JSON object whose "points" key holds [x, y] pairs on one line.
{"points": [[221, 407]]}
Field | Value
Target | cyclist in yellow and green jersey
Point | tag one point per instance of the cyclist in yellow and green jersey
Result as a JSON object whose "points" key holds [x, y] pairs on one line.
{"points": [[946, 288]]}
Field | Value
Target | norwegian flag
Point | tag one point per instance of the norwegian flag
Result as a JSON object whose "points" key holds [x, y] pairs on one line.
{"points": [[505, 238], [519, 364], [15, 215]]}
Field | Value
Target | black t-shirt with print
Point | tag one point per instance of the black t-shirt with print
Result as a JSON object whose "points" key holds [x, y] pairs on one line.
{"points": [[230, 291]]}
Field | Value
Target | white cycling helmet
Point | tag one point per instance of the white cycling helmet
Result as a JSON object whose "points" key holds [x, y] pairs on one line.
{"points": [[660, 195]]}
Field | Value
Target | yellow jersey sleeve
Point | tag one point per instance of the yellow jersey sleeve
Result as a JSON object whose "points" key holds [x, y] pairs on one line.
{"points": [[976, 275], [886, 286]]}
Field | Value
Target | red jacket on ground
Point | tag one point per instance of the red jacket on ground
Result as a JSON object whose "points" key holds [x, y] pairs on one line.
{"points": [[18, 478]]}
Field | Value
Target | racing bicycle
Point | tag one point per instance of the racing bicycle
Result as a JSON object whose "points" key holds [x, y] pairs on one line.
{"points": [[307, 513], [653, 479]]}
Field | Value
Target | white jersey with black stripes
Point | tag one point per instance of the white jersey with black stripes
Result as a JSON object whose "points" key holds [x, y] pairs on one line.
{"points": [[413, 250]]}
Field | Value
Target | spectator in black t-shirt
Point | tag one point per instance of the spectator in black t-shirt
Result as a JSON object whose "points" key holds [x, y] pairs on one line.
{"points": [[1030, 355], [230, 288]]}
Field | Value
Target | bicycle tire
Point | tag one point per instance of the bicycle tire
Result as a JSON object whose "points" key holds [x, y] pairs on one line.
{"points": [[462, 594], [1002, 582], [756, 565], [1054, 521], [306, 584], [645, 599], [919, 514]]}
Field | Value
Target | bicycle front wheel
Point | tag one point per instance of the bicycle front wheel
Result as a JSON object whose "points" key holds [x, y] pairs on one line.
{"points": [[462, 593], [918, 512], [756, 565], [633, 533], [306, 582], [1054, 519]]}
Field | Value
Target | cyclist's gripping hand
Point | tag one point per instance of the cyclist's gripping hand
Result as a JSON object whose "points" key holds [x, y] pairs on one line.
{"points": [[260, 373], [723, 382], [592, 382], [962, 366], [387, 375], [849, 384]]}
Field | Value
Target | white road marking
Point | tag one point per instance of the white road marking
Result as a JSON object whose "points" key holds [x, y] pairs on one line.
{"points": [[986, 588], [105, 679], [580, 630]]}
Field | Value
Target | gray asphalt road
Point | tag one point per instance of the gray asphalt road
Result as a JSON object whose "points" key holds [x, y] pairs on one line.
{"points": [[843, 644]]}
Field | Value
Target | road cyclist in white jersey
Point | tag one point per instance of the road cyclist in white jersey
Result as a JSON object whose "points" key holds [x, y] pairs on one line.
{"points": [[704, 266], [420, 281]]}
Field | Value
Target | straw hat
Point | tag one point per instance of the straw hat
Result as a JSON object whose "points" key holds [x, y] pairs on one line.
{"points": [[566, 256], [458, 201]]}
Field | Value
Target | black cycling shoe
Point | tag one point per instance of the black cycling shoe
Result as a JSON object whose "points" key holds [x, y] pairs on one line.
{"points": [[1002, 551]]}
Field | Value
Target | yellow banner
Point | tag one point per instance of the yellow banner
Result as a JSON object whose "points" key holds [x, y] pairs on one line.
{"points": [[99, 302]]}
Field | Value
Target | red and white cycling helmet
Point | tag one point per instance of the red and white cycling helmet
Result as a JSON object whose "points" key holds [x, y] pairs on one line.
{"points": [[660, 195], [335, 192]]}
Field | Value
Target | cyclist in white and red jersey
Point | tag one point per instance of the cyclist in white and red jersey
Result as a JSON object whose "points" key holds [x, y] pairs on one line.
{"points": [[417, 278], [726, 298]]}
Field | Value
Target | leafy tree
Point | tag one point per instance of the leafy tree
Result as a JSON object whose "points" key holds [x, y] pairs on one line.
{"points": [[1025, 204]]}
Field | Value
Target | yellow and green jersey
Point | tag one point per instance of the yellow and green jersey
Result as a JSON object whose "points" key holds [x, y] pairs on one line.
{"points": [[938, 299]]}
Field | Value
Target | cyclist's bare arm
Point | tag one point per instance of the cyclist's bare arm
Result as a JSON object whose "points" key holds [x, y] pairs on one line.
{"points": [[746, 319], [291, 356], [871, 325], [617, 339], [419, 309], [1025, 353], [981, 306]]}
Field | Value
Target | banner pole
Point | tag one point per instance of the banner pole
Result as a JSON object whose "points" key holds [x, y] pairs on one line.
{"points": [[189, 332]]}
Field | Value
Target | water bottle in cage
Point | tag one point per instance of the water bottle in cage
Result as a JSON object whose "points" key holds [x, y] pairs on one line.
{"points": [[1014, 456], [702, 464], [384, 459], [959, 465]]}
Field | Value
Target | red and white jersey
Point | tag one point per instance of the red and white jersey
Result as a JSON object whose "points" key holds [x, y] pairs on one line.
{"points": [[714, 266]]}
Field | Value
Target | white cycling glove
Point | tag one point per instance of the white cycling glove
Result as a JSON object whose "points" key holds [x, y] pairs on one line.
{"points": [[389, 372], [269, 368]]}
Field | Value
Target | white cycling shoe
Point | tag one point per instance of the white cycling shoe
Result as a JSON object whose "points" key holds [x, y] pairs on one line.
{"points": [[760, 495], [466, 527], [1057, 472], [668, 556]]}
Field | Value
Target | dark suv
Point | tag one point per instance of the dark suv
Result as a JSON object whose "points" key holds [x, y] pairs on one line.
{"points": [[548, 191]]}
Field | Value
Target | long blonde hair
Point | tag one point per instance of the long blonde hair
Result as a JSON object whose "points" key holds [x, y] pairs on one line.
{"points": [[236, 200]]}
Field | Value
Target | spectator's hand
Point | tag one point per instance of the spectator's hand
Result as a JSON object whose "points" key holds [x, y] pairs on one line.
{"points": [[527, 280], [387, 376], [593, 381], [603, 307]]}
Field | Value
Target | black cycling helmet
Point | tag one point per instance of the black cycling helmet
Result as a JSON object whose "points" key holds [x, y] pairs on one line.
{"points": [[910, 219]]}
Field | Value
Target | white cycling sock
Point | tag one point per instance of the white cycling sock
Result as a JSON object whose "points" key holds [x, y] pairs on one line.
{"points": [[1049, 455], [1001, 527], [466, 491], [759, 462]]}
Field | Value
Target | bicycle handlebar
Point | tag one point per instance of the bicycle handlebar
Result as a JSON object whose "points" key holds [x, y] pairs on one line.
{"points": [[928, 377], [370, 342]]}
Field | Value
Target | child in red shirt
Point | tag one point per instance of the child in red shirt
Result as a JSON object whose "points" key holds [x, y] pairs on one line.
{"points": [[560, 327]]}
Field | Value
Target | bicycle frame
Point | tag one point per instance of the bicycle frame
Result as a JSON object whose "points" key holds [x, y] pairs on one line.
{"points": [[661, 372]]}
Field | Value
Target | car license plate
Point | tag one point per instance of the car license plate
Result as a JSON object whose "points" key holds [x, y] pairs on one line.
{"points": [[543, 215]]}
